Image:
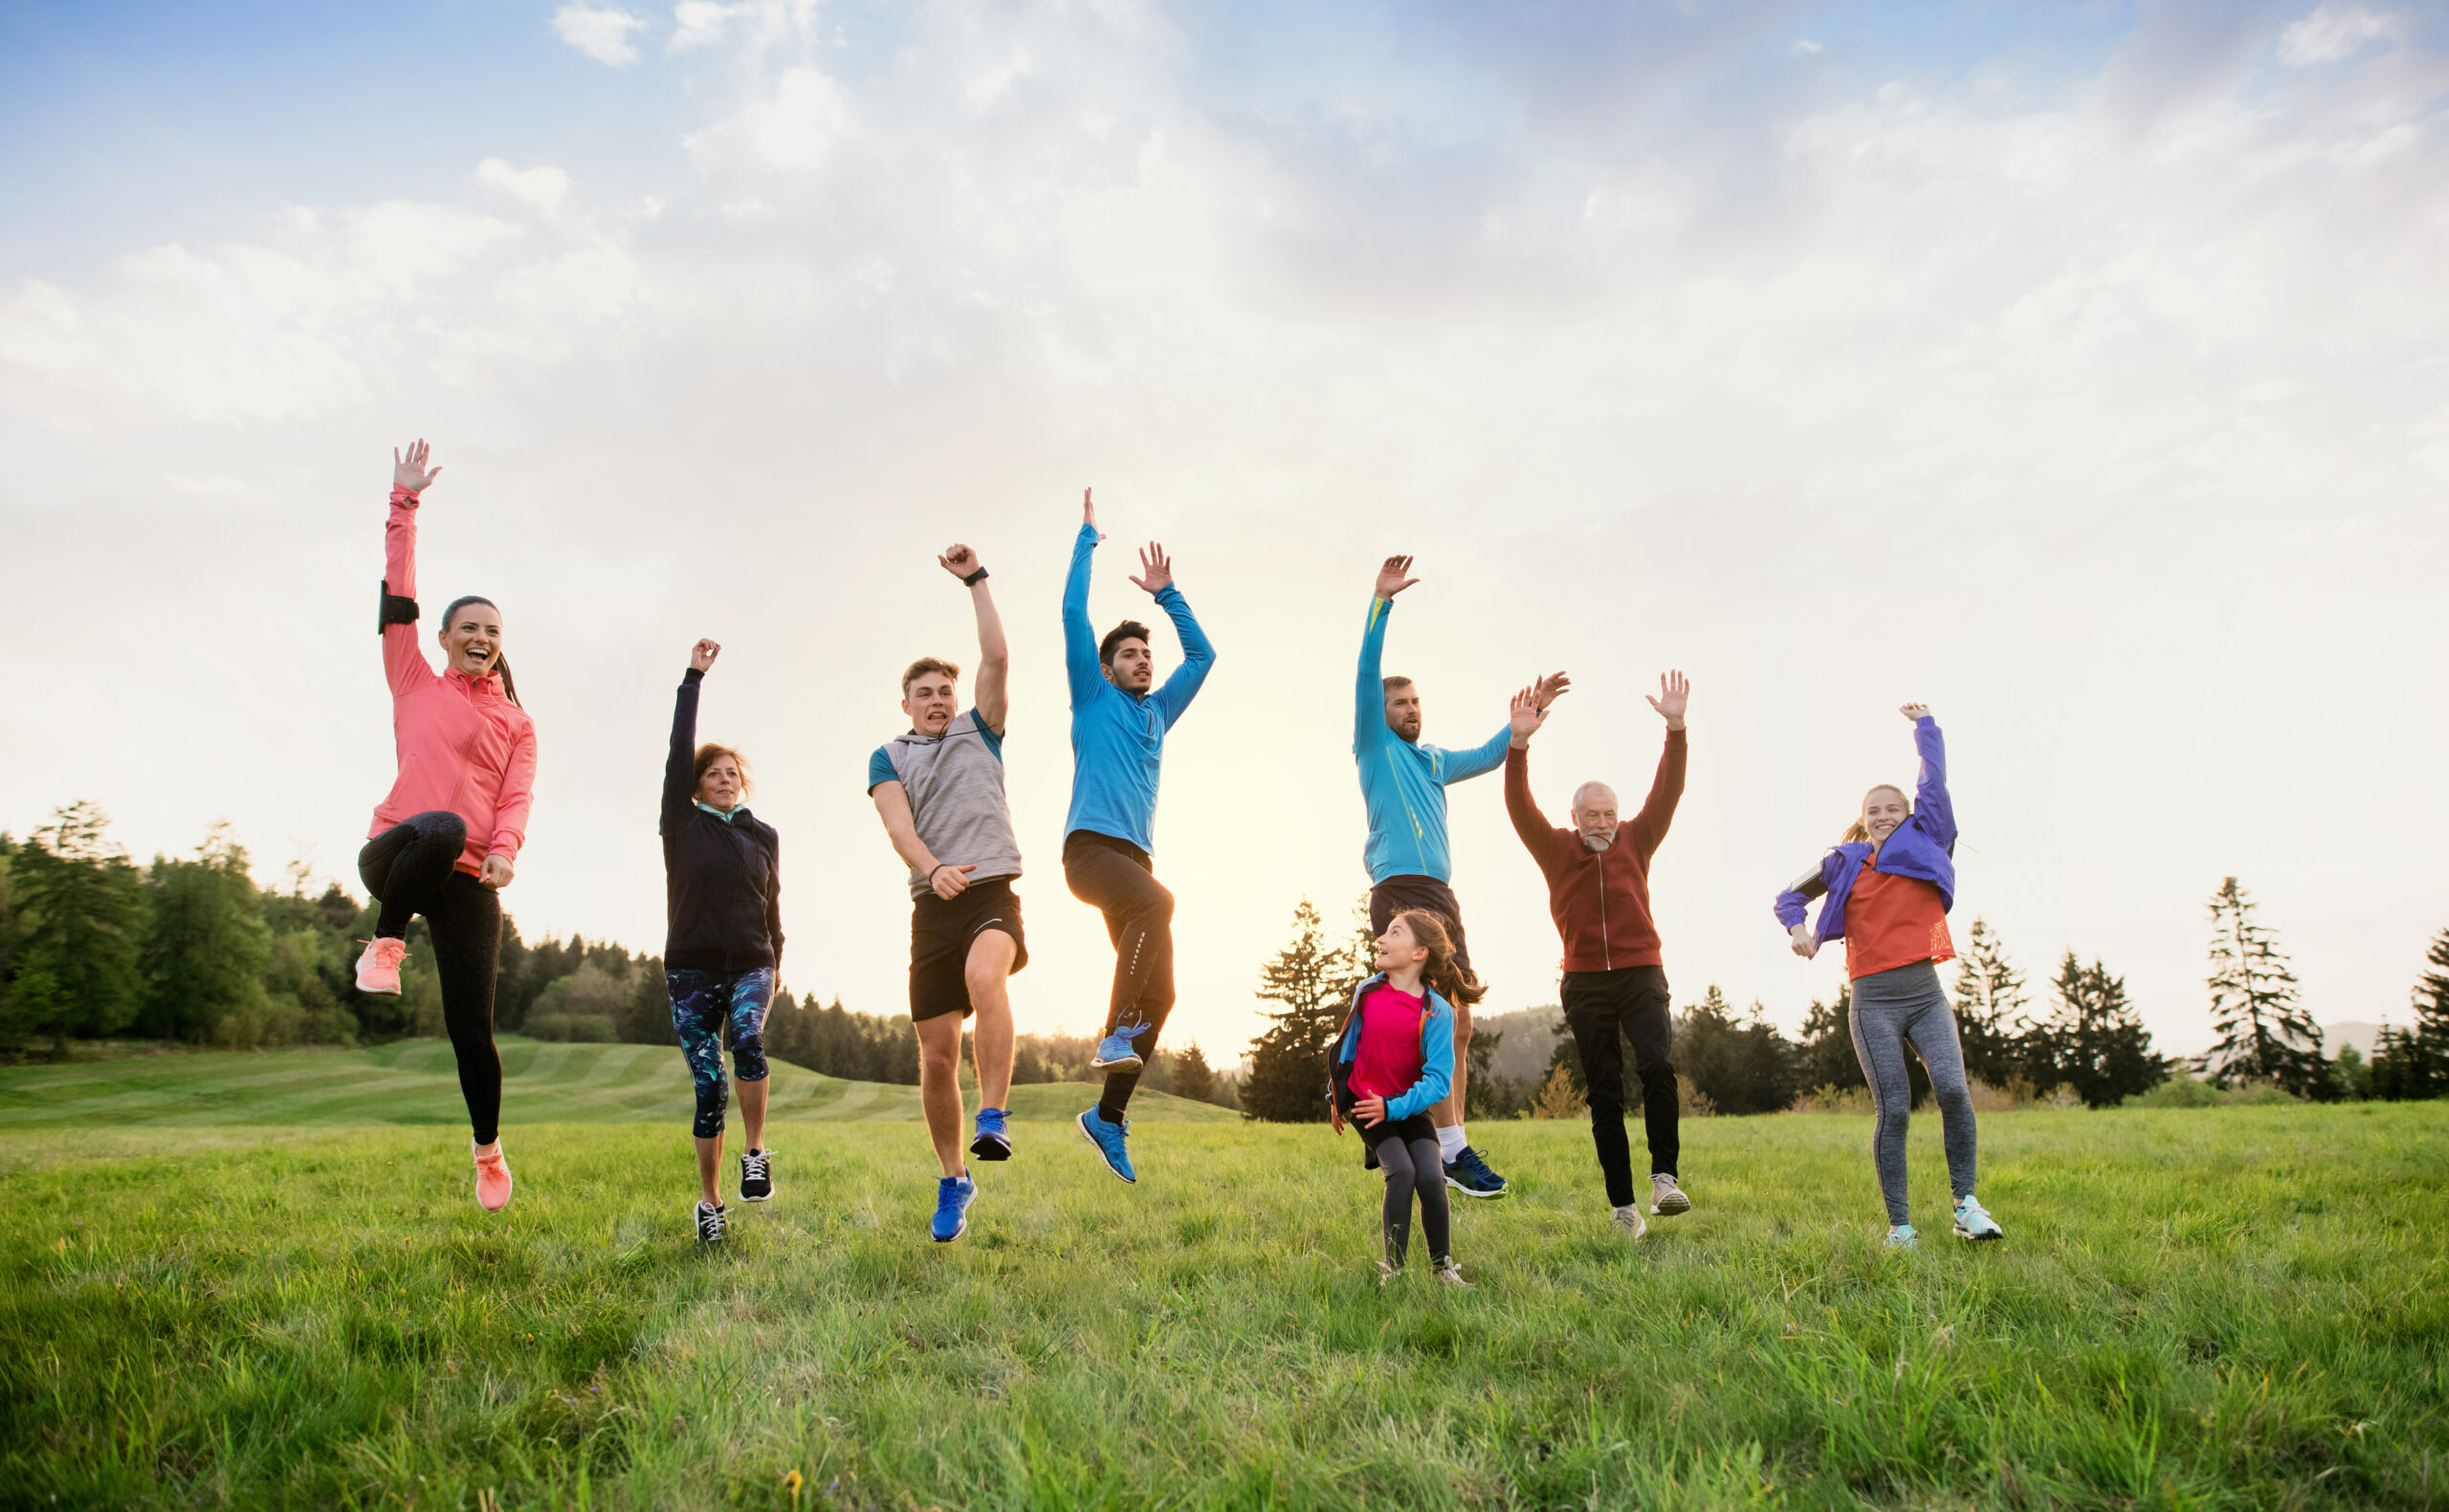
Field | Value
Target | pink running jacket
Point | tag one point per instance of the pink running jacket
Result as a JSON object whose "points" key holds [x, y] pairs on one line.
{"points": [[463, 745]]}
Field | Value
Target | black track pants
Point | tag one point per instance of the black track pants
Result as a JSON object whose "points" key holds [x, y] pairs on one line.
{"points": [[464, 916], [1118, 879], [1604, 1009]]}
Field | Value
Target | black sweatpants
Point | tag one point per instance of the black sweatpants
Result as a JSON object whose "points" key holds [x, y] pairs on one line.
{"points": [[1116, 878], [1407, 1148], [413, 868], [1604, 1009]]}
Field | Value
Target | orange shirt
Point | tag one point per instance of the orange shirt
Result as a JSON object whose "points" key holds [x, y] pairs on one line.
{"points": [[1893, 921]]}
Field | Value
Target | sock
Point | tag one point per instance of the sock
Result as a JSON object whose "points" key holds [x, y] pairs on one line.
{"points": [[1116, 1095], [1451, 1142]]}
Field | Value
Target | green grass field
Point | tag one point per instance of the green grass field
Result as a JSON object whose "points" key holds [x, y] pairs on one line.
{"points": [[2233, 1307]]}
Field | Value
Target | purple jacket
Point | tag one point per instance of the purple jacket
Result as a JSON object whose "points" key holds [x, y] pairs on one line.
{"points": [[1922, 847]]}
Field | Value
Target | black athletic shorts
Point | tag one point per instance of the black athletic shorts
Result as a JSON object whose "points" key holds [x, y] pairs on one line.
{"points": [[940, 935], [1395, 895]]}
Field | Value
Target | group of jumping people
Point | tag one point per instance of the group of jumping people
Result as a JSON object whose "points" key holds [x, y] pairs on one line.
{"points": [[447, 838]]}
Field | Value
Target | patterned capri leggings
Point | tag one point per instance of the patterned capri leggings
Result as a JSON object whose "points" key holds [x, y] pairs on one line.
{"points": [[707, 1008]]}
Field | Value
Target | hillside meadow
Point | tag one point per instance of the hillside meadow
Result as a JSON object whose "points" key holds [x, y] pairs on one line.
{"points": [[200, 1306]]}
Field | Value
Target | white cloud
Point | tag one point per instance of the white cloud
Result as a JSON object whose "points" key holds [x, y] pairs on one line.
{"points": [[542, 188], [792, 130], [699, 23], [2332, 32], [600, 31]]}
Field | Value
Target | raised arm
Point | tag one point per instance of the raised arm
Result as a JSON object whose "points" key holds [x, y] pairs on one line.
{"points": [[679, 763], [1079, 636], [1528, 715], [1933, 811], [1198, 657], [994, 652], [1667, 788], [404, 663], [1369, 684]]}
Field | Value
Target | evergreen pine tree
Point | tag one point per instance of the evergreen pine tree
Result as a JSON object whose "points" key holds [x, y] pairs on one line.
{"points": [[2097, 1044], [1193, 1077], [2411, 1063], [2264, 1031], [1992, 1008], [1313, 981], [80, 924]]}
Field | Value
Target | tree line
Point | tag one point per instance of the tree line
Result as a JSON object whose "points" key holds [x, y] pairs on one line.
{"points": [[190, 950], [2085, 1044]]}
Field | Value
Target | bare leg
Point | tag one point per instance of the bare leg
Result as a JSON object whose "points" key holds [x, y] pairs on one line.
{"points": [[709, 1165], [939, 1086], [990, 971], [1450, 1112], [752, 1112]]}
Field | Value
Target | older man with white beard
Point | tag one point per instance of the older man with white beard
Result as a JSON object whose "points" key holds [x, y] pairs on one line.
{"points": [[1615, 982]]}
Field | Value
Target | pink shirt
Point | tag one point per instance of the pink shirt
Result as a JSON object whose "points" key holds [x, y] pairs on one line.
{"points": [[1388, 1062], [463, 745]]}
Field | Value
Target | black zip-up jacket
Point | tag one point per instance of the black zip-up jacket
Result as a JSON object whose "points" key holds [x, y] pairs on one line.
{"points": [[722, 882]]}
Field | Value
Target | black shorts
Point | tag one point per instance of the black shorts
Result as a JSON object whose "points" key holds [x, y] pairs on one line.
{"points": [[1395, 895], [940, 935]]}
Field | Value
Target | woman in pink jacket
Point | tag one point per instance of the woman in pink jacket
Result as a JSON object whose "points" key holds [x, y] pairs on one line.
{"points": [[445, 840]]}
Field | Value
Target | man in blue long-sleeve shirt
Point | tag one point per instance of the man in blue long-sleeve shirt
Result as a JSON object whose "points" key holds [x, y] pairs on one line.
{"points": [[1404, 781], [1120, 718]]}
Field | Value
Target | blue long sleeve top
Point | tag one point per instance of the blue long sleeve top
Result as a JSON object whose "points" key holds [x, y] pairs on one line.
{"points": [[1402, 782], [1119, 738]]}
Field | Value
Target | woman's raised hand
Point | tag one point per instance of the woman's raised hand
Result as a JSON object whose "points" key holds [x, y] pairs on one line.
{"points": [[1917, 713], [959, 561], [410, 473], [703, 656], [1806, 940]]}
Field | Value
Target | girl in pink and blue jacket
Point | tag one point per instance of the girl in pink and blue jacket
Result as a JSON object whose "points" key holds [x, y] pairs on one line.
{"points": [[445, 840], [1393, 1061]]}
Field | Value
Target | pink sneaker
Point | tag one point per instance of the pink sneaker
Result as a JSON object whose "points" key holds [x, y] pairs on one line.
{"points": [[378, 970], [493, 1180]]}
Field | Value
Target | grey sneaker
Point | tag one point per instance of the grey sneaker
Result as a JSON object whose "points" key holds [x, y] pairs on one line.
{"points": [[1447, 1273], [1666, 1199], [1630, 1223], [1388, 1273]]}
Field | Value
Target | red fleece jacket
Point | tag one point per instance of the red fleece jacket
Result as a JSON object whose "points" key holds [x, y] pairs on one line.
{"points": [[1600, 899]]}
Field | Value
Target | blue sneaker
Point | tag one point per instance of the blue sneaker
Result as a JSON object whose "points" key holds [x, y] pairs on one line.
{"points": [[1973, 1223], [1108, 1140], [992, 1142], [1114, 1052], [1901, 1237], [1469, 1174], [953, 1196]]}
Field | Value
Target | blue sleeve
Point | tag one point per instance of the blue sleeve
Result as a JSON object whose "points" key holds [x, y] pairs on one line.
{"points": [[994, 738], [1934, 812], [1079, 636], [1369, 686], [880, 769], [1198, 657], [1461, 766], [1437, 1064]]}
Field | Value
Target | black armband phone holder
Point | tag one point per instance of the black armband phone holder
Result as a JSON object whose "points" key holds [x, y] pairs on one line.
{"points": [[396, 610]]}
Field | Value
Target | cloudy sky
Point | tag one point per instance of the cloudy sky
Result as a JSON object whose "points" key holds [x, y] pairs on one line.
{"points": [[2077, 369]]}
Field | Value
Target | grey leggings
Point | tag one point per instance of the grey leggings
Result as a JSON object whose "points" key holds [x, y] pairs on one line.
{"points": [[1413, 1165], [1889, 1008]]}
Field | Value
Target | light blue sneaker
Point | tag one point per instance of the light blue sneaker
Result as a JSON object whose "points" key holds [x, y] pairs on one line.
{"points": [[1901, 1237], [1108, 1140], [953, 1196], [1973, 1223], [1114, 1052], [992, 1142]]}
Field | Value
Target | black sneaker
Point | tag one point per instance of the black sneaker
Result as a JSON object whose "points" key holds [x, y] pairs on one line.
{"points": [[710, 1224], [756, 1178]]}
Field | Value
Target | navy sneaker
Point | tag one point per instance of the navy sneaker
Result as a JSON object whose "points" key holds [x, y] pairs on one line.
{"points": [[1108, 1140], [1114, 1052], [992, 1142], [953, 1196], [1469, 1174]]}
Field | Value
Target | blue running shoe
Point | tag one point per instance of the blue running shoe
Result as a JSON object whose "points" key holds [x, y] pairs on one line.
{"points": [[1469, 1174], [1108, 1140], [1114, 1052], [1973, 1223], [1901, 1237], [992, 1142], [953, 1196]]}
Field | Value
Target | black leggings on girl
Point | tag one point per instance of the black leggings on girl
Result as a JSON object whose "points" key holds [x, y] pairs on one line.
{"points": [[1408, 1147], [412, 869]]}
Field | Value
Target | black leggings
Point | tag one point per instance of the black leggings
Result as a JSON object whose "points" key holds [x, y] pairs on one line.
{"points": [[1604, 1009], [1118, 879], [413, 868], [1407, 1149]]}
